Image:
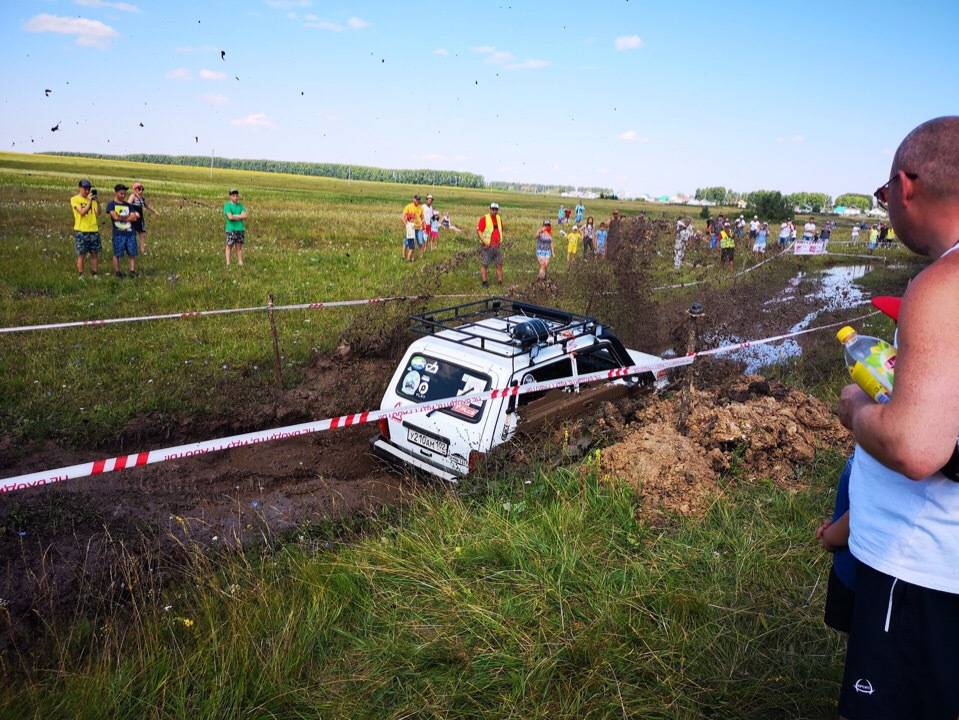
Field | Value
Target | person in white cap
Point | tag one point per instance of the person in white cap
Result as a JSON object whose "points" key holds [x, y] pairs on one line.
{"points": [[428, 211], [754, 226], [489, 230]]}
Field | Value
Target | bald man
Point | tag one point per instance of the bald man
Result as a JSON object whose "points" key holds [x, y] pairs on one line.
{"points": [[903, 654]]}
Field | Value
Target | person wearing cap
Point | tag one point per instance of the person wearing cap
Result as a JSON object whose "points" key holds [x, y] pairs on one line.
{"points": [[684, 232], [140, 204], [428, 210], [544, 247], [235, 214], [86, 229], [490, 231], [754, 226], [574, 240], [759, 244], [727, 246], [122, 215], [903, 526], [416, 210]]}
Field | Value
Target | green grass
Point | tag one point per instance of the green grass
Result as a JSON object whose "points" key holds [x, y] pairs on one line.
{"points": [[547, 599], [309, 239], [544, 600]]}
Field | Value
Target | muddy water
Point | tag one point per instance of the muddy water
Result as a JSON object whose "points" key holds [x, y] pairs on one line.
{"points": [[833, 289]]}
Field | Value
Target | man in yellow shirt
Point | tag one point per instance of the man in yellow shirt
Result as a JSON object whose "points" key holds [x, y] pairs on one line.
{"points": [[416, 210], [86, 229]]}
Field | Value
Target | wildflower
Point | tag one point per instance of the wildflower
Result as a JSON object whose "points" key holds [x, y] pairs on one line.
{"points": [[167, 608], [457, 549]]}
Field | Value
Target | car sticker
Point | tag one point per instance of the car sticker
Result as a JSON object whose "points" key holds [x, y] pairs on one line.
{"points": [[418, 362], [433, 368], [410, 382], [467, 410], [423, 389]]}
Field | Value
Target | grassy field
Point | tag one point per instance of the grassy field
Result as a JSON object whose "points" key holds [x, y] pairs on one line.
{"points": [[537, 594], [309, 240]]}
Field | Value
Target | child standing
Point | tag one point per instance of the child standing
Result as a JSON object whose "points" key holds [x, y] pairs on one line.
{"points": [[834, 536], [140, 205], [573, 241], [235, 229], [601, 241], [589, 231], [434, 230], [409, 244], [727, 246]]}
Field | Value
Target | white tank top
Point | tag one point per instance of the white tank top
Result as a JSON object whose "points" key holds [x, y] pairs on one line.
{"points": [[904, 528]]}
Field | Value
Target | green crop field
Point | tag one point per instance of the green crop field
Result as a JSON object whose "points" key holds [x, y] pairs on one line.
{"points": [[538, 592]]}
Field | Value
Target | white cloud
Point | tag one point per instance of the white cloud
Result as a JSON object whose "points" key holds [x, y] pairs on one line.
{"points": [[325, 26], [441, 51], [499, 57], [356, 23], [632, 136], [798, 138], [628, 42], [214, 99], [885, 151], [121, 6], [257, 121], [528, 64], [554, 166], [212, 75], [484, 49], [179, 74], [460, 158], [90, 33]]}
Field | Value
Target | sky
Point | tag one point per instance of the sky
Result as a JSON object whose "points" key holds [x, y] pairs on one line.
{"points": [[636, 96]]}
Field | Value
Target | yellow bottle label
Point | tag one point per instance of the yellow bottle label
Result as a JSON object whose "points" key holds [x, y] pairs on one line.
{"points": [[865, 379]]}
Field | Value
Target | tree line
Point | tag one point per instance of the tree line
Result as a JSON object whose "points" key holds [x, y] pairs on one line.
{"points": [[447, 178], [540, 189], [776, 206]]}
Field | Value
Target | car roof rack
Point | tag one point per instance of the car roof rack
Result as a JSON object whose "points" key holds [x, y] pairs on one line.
{"points": [[467, 326]]}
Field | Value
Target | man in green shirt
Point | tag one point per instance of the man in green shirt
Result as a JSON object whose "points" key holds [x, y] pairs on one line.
{"points": [[235, 231]]}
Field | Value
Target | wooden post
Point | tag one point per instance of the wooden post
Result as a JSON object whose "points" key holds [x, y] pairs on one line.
{"points": [[276, 348], [695, 312]]}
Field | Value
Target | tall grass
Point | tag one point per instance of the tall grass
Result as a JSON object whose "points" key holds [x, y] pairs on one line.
{"points": [[541, 599]]}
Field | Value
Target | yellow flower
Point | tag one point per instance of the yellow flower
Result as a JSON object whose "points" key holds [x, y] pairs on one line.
{"points": [[187, 622], [457, 549]]}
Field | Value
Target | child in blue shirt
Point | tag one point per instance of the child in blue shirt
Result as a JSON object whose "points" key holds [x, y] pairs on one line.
{"points": [[600, 241], [759, 247]]}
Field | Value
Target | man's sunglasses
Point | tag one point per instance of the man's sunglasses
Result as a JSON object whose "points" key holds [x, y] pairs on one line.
{"points": [[882, 192]]}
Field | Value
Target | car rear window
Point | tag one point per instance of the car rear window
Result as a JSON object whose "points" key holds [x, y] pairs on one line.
{"points": [[428, 378]]}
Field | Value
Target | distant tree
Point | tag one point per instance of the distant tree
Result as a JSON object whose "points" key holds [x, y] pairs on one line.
{"points": [[713, 194], [863, 202], [817, 201], [770, 205]]}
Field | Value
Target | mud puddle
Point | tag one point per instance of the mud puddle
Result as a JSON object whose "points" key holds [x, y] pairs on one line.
{"points": [[833, 289]]}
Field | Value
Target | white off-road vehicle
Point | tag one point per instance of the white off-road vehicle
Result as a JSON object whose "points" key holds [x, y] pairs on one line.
{"points": [[489, 344]]}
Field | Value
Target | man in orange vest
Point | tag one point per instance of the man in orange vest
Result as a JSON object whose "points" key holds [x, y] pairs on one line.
{"points": [[490, 234]]}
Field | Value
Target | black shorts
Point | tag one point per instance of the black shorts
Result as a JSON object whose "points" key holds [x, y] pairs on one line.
{"points": [[726, 254], [138, 226], [903, 656], [840, 601]]}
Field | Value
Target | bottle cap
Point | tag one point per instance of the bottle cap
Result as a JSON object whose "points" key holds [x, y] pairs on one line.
{"points": [[846, 334]]}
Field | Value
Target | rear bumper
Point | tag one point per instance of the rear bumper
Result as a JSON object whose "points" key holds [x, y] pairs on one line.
{"points": [[388, 451]]}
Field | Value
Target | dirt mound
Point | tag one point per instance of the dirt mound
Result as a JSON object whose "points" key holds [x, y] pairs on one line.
{"points": [[763, 429]]}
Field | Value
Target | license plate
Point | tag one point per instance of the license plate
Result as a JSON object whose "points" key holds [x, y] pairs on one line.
{"points": [[430, 443]]}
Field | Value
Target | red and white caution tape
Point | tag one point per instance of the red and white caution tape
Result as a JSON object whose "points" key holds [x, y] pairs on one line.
{"points": [[228, 311], [48, 477], [200, 448]]}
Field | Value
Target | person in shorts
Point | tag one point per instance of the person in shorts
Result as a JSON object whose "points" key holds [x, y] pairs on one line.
{"points": [[409, 244], [902, 659], [122, 215], [415, 209], [833, 535], [235, 228], [544, 247], [759, 246], [141, 205], [574, 241], [489, 230], [601, 235], [86, 229]]}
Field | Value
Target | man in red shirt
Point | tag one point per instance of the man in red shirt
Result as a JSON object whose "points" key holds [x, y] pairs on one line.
{"points": [[490, 234]]}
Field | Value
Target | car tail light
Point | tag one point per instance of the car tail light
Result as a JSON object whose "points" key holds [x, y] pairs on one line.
{"points": [[661, 373], [385, 428], [476, 458]]}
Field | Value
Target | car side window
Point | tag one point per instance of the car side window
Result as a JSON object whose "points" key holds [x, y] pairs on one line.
{"points": [[596, 359], [562, 368]]}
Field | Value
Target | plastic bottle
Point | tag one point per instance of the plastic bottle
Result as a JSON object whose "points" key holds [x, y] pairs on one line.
{"points": [[871, 362]]}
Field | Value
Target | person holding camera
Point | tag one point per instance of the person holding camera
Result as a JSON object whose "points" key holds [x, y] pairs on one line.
{"points": [[86, 229]]}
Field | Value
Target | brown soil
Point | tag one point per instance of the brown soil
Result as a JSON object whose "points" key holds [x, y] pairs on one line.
{"points": [[763, 428]]}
